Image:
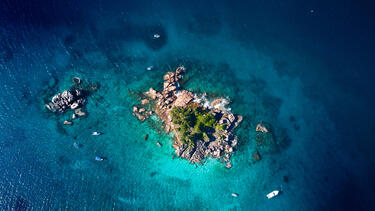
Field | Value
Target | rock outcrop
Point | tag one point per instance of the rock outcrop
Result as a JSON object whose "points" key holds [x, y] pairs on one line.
{"points": [[261, 128], [66, 100], [141, 113]]}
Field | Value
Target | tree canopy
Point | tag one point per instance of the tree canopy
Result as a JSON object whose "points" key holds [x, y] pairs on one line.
{"points": [[194, 124]]}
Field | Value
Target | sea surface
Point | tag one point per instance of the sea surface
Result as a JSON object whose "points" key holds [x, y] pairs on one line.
{"points": [[305, 67]]}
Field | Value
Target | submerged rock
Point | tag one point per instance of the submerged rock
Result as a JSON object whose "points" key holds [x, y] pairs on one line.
{"points": [[141, 113], [256, 156], [76, 80], [266, 141], [79, 112], [144, 101], [152, 93], [261, 127], [229, 165]]}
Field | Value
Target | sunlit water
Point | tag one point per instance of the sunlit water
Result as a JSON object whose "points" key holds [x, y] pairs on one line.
{"points": [[230, 50]]}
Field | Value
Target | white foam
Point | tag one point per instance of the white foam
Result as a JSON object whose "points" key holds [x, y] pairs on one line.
{"points": [[208, 103]]}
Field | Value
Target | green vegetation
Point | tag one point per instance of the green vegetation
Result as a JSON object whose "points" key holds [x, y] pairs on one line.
{"points": [[194, 124], [220, 127]]}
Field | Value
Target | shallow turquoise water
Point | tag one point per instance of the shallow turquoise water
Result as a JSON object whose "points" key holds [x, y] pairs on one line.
{"points": [[267, 79]]}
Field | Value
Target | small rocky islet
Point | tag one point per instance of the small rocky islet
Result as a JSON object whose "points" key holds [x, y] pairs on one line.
{"points": [[202, 128], [73, 99]]}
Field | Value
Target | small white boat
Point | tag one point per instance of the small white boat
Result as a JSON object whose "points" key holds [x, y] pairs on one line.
{"points": [[96, 133], [156, 36], [149, 68], [235, 194], [98, 158], [273, 194]]}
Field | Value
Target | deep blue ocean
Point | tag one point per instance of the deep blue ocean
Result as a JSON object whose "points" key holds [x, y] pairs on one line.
{"points": [[305, 67]]}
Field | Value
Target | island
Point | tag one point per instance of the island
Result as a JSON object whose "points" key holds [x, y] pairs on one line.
{"points": [[202, 126]]}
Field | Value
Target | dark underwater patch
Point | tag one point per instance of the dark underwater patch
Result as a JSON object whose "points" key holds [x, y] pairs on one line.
{"points": [[153, 173], [271, 104], [286, 178], [76, 55], [280, 66], [60, 129], [69, 40], [19, 203], [284, 140], [284, 68], [63, 160]]}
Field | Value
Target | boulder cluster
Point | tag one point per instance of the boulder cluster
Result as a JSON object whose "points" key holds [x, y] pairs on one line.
{"points": [[66, 100], [141, 113], [163, 99], [261, 128], [220, 146], [73, 99]]}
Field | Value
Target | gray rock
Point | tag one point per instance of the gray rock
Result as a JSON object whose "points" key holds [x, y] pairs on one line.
{"points": [[187, 153], [67, 99]]}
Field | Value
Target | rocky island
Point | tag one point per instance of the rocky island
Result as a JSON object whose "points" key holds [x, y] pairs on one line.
{"points": [[202, 127]]}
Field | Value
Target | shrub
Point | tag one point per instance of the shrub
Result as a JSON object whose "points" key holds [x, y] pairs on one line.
{"points": [[220, 127]]}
